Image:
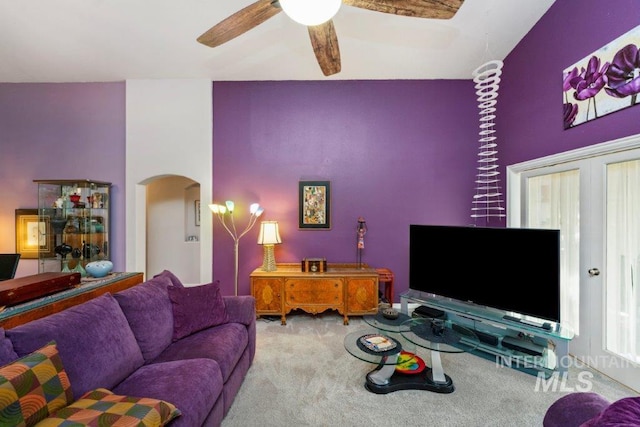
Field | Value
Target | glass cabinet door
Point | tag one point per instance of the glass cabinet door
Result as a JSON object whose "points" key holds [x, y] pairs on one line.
{"points": [[76, 217]]}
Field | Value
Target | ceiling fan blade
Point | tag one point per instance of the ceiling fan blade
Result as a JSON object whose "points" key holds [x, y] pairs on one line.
{"points": [[325, 45], [240, 22], [434, 9]]}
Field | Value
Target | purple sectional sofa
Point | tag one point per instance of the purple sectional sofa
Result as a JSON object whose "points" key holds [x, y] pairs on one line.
{"points": [[588, 409], [188, 346]]}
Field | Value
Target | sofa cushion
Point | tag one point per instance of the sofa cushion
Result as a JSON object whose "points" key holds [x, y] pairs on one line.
{"points": [[193, 386], [7, 354], [149, 313], [33, 387], [240, 309], [623, 412], [96, 345], [101, 407], [223, 343], [169, 275], [196, 308]]}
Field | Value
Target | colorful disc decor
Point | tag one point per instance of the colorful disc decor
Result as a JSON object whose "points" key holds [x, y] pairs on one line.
{"points": [[409, 363]]}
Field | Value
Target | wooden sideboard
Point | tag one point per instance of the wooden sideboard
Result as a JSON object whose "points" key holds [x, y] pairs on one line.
{"points": [[350, 290], [89, 289]]}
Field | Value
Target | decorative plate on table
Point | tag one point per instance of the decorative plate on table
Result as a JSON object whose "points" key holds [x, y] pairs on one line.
{"points": [[377, 343], [409, 363]]}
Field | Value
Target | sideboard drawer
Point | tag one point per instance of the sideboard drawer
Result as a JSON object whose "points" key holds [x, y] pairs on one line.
{"points": [[314, 291]]}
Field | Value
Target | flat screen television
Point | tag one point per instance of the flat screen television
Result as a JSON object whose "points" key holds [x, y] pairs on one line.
{"points": [[510, 269]]}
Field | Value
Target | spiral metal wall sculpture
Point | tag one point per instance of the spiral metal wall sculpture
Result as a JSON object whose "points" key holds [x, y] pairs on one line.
{"points": [[488, 201]]}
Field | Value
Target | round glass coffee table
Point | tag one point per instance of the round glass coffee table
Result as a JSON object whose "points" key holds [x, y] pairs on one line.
{"points": [[436, 335]]}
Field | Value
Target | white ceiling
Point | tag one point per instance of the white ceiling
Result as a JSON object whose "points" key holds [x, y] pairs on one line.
{"points": [[116, 40]]}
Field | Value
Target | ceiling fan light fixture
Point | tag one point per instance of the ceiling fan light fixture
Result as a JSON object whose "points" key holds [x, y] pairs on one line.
{"points": [[310, 12]]}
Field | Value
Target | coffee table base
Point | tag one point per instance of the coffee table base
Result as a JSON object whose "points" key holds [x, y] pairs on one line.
{"points": [[422, 381]]}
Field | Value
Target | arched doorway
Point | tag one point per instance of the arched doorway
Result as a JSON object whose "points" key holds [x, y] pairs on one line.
{"points": [[173, 229], [164, 234]]}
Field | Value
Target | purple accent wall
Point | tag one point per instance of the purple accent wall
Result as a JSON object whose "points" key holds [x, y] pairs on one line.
{"points": [[529, 122], [396, 153], [60, 131]]}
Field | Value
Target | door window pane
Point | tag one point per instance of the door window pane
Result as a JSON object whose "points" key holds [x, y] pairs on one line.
{"points": [[553, 201], [623, 259]]}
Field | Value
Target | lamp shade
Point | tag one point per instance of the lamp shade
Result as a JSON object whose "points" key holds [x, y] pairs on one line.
{"points": [[269, 233], [310, 12], [217, 209]]}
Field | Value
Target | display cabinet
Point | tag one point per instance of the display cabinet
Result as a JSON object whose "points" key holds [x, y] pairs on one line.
{"points": [[74, 220]]}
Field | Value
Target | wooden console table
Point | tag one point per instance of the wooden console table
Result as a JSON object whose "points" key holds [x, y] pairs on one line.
{"points": [[350, 290], [41, 307]]}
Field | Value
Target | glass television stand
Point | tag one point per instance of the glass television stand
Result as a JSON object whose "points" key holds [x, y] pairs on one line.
{"points": [[522, 342]]}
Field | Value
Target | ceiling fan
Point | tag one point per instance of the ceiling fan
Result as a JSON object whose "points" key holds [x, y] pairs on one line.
{"points": [[323, 35]]}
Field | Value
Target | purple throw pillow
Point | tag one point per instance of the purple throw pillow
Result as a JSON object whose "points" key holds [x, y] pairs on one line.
{"points": [[169, 275], [196, 308]]}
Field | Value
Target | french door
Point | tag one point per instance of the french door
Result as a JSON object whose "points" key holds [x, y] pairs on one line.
{"points": [[593, 197]]}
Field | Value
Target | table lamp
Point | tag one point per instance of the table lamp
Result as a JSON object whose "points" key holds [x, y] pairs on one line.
{"points": [[269, 236]]}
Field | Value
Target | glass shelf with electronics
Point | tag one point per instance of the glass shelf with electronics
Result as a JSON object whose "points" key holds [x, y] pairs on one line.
{"points": [[522, 342], [74, 218]]}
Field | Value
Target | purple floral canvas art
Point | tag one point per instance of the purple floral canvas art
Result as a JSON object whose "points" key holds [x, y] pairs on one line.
{"points": [[606, 81]]}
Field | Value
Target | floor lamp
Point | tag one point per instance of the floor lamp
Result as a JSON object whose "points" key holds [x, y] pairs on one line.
{"points": [[222, 212]]}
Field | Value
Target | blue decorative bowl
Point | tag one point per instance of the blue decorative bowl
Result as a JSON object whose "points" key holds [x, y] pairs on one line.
{"points": [[99, 268]]}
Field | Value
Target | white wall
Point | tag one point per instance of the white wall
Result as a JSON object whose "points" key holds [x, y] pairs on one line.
{"points": [[169, 132], [170, 219]]}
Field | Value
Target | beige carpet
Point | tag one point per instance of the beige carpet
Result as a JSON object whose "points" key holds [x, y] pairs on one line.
{"points": [[303, 376]]}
